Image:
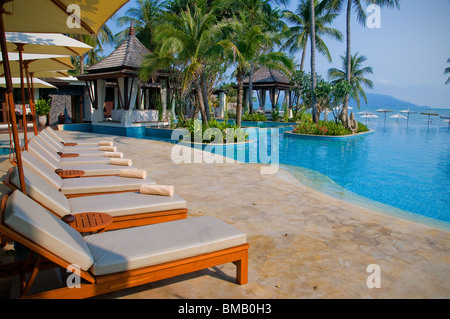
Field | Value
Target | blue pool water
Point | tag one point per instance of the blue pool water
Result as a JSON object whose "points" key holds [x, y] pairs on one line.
{"points": [[403, 167], [406, 167]]}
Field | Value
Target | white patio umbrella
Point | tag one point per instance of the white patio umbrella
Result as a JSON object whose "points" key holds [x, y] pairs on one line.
{"points": [[430, 114], [408, 111], [369, 116], [38, 83], [34, 63], [397, 116], [447, 119], [385, 111], [48, 16]]}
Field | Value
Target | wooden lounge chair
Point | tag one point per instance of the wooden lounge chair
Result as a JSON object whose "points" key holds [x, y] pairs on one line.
{"points": [[76, 144], [128, 209], [121, 259], [76, 187], [37, 144], [93, 169], [58, 148]]}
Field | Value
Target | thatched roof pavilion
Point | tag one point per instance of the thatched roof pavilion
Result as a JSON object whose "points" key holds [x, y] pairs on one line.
{"points": [[272, 80], [120, 71]]}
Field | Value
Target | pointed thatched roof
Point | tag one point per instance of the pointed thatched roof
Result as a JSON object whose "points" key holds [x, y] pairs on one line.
{"points": [[267, 78], [128, 55]]}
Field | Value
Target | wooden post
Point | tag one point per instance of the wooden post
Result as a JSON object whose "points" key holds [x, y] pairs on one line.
{"points": [[10, 98]]}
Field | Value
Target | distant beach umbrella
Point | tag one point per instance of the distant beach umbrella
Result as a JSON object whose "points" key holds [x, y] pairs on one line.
{"points": [[408, 111], [430, 114], [447, 119], [397, 116], [369, 116], [385, 111]]}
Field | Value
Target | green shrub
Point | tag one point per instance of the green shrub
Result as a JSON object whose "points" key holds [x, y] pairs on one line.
{"points": [[197, 132], [330, 128], [42, 107], [255, 117]]}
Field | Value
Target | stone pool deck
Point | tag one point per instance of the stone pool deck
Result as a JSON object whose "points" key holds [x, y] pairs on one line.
{"points": [[303, 244]]}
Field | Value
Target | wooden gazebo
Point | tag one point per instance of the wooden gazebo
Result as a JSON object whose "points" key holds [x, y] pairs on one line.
{"points": [[133, 99], [269, 80]]}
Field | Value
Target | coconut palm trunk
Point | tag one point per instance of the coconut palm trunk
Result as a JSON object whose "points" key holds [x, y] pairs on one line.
{"points": [[201, 103], [315, 113], [240, 97], [344, 114], [205, 95], [250, 88]]}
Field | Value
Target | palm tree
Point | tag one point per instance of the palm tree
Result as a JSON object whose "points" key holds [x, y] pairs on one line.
{"points": [[312, 35], [246, 45], [338, 5], [299, 32], [144, 18], [189, 37], [103, 37], [357, 76], [447, 71]]}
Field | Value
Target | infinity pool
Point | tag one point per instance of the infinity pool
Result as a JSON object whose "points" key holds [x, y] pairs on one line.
{"points": [[406, 167], [403, 168]]}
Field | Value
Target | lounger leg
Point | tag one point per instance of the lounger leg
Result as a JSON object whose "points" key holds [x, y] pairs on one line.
{"points": [[242, 269]]}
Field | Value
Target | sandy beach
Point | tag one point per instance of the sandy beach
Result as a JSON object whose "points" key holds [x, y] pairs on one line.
{"points": [[303, 243]]}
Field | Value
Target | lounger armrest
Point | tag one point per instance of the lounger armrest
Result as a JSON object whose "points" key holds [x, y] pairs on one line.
{"points": [[67, 155], [68, 219], [69, 173]]}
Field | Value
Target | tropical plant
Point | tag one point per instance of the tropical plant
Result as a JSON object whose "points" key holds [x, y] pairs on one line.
{"points": [[94, 56], [144, 17], [254, 117], [338, 6], [312, 35], [245, 46], [447, 71], [42, 107], [299, 31], [188, 38], [357, 76]]}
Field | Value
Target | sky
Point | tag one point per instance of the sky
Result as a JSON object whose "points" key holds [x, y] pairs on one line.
{"points": [[408, 53]]}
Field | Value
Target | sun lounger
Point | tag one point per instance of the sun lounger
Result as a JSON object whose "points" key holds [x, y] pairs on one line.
{"points": [[128, 209], [85, 143], [38, 144], [76, 187], [93, 169], [46, 142], [112, 261]]}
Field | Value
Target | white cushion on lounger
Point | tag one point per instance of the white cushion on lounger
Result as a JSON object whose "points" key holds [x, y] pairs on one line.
{"points": [[97, 169], [83, 160], [34, 222], [101, 184], [89, 169], [138, 247], [123, 204], [60, 148], [38, 167], [42, 192]]}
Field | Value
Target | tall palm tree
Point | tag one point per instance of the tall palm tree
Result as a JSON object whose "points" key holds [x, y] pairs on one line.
{"points": [[339, 5], [299, 32], [103, 37], [312, 35], [357, 76], [447, 71], [145, 18], [246, 45], [189, 37]]}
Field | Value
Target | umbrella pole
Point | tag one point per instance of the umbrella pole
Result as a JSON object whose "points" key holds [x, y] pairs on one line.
{"points": [[31, 98], [22, 90], [10, 99]]}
